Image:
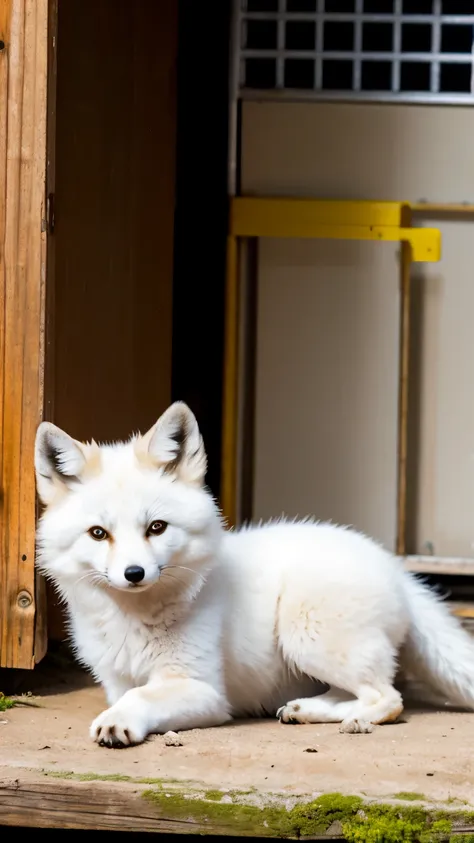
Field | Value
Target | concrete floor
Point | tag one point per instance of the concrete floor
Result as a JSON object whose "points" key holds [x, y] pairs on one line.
{"points": [[430, 752]]}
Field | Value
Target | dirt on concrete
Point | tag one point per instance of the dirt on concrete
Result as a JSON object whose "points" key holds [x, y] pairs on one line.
{"points": [[429, 752]]}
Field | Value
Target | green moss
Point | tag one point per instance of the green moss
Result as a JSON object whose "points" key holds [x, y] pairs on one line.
{"points": [[214, 795], [245, 819], [87, 777], [317, 816], [156, 782], [247, 813], [111, 777], [409, 796], [268, 820], [6, 702], [443, 827], [357, 821], [391, 824]]}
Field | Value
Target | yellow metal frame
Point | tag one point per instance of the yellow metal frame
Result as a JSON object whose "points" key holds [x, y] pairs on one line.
{"points": [[256, 217], [333, 220]]}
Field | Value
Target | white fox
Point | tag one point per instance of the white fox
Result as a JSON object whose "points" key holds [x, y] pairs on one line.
{"points": [[187, 624]]}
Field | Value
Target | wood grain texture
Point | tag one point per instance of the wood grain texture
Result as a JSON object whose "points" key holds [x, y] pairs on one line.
{"points": [[115, 182], [107, 806], [109, 312], [439, 565], [23, 83], [42, 629]]}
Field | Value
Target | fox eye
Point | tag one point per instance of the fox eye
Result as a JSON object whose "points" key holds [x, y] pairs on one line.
{"points": [[98, 533], [156, 528]]}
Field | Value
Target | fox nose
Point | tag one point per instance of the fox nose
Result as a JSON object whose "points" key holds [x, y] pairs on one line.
{"points": [[134, 573]]}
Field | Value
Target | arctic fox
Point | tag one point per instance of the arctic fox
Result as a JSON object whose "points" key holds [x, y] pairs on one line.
{"points": [[187, 624]]}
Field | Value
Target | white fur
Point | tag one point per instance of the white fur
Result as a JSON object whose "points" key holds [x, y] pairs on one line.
{"points": [[226, 623]]}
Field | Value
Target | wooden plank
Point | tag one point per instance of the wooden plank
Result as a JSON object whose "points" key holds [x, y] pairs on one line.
{"points": [[23, 81], [115, 198], [112, 247], [5, 13], [52, 775], [108, 806], [440, 565], [457, 208], [114, 264], [47, 356], [463, 609]]}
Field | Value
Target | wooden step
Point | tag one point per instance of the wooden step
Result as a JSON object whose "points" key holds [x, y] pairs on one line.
{"points": [[440, 565]]}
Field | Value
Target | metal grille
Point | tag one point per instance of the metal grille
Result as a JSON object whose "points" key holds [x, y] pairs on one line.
{"points": [[400, 50]]}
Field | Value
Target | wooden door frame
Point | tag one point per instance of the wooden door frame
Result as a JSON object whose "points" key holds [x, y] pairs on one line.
{"points": [[23, 235], [27, 128]]}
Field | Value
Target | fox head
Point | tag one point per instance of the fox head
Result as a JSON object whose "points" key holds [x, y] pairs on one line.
{"points": [[127, 515]]}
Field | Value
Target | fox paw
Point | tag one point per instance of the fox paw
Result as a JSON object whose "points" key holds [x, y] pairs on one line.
{"points": [[290, 714], [356, 727], [116, 729]]}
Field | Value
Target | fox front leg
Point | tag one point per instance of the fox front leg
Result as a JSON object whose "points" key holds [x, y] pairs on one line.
{"points": [[159, 707]]}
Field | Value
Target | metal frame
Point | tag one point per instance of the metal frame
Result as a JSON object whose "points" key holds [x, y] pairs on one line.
{"points": [[434, 57], [253, 218], [332, 220], [422, 564], [313, 218]]}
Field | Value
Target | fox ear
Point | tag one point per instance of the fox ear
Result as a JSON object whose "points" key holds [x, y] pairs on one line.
{"points": [[175, 444], [59, 460]]}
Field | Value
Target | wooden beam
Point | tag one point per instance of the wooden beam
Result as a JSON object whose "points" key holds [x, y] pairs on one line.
{"points": [[101, 806], [464, 610], [440, 565], [23, 82], [133, 806], [441, 208]]}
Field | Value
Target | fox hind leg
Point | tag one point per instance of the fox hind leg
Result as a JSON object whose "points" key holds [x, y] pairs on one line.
{"points": [[362, 665]]}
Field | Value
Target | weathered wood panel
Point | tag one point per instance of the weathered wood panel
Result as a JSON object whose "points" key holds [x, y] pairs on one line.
{"points": [[23, 95], [107, 806]]}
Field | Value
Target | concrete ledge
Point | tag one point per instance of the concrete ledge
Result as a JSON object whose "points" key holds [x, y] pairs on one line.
{"points": [[257, 778]]}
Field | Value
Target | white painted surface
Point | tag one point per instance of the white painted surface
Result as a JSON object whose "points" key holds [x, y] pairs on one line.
{"points": [[327, 363]]}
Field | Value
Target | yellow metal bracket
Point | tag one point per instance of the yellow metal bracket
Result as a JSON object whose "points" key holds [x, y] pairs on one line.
{"points": [[333, 220], [256, 217]]}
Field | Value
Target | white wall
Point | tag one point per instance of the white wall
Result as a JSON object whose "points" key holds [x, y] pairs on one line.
{"points": [[327, 364]]}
